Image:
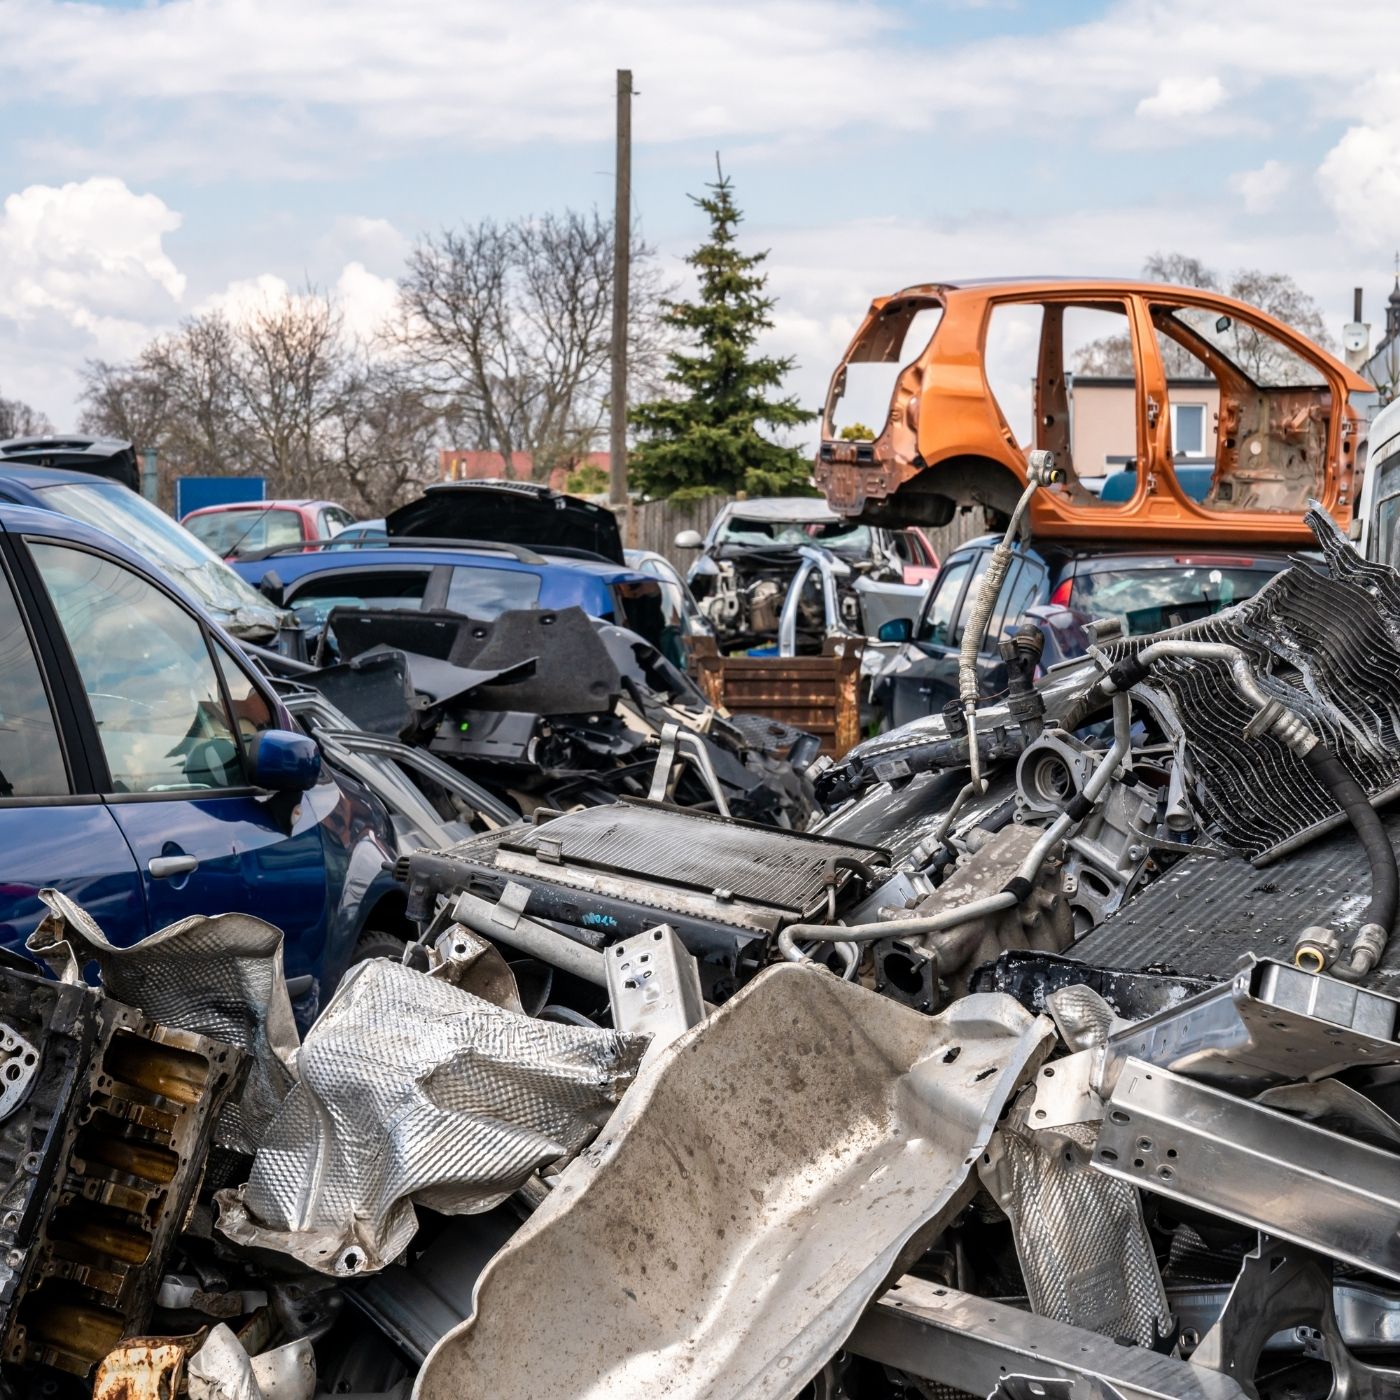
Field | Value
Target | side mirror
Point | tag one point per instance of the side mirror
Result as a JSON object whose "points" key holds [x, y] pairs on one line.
{"points": [[690, 539], [284, 762], [897, 629], [273, 589]]}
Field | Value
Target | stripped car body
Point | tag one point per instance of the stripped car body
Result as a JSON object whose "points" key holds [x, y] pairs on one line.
{"points": [[1287, 432]]}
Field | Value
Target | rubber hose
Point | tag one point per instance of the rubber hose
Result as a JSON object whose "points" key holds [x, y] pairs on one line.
{"points": [[1349, 795]]}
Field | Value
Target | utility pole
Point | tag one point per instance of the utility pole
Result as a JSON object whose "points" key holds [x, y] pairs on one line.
{"points": [[622, 261]]}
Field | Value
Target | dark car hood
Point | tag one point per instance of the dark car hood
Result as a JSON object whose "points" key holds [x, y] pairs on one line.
{"points": [[510, 514]]}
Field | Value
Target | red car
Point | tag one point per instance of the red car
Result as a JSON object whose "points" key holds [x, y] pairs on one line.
{"points": [[251, 528]]}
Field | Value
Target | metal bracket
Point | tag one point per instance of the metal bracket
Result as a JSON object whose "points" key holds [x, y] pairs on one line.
{"points": [[971, 1343], [654, 987], [1269, 1024], [1203, 1147], [19, 1062], [1281, 1287]]}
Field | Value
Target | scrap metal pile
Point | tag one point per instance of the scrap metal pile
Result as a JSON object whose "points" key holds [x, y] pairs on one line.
{"points": [[544, 707], [1061, 1057]]}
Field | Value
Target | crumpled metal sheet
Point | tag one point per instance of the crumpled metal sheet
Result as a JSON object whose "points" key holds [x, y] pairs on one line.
{"points": [[220, 976], [411, 1089], [469, 962], [1080, 1236], [758, 1184], [222, 1370]]}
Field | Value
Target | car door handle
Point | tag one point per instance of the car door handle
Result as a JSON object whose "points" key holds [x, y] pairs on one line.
{"points": [[166, 867]]}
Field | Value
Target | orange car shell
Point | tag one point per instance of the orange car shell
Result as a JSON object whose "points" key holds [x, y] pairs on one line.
{"points": [[946, 441]]}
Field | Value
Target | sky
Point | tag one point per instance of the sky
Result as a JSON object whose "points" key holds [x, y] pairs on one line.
{"points": [[157, 159]]}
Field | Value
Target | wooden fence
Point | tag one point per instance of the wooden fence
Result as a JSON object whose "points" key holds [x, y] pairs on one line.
{"points": [[654, 525]]}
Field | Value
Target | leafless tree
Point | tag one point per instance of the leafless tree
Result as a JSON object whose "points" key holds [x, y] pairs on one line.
{"points": [[288, 371], [129, 402], [1261, 357], [509, 326], [19, 419], [384, 436]]}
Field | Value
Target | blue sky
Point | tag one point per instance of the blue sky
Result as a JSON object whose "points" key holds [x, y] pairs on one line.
{"points": [[153, 156]]}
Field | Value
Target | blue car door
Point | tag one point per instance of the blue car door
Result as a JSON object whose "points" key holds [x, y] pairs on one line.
{"points": [[54, 829], [170, 712]]}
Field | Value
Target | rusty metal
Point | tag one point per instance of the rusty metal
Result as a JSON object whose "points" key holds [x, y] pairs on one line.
{"points": [[945, 441], [818, 694], [144, 1368], [97, 1168]]}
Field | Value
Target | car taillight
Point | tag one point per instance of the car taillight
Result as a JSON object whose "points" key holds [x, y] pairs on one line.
{"points": [[1060, 597]]}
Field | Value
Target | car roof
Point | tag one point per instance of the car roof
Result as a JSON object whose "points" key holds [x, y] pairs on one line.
{"points": [[805, 508], [39, 477], [279, 503], [306, 562]]}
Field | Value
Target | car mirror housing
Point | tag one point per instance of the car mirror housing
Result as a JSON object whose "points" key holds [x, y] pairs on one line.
{"points": [[689, 539], [897, 629], [273, 589], [283, 761]]}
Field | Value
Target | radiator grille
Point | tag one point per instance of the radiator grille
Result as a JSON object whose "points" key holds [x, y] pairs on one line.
{"points": [[1327, 644], [780, 870]]}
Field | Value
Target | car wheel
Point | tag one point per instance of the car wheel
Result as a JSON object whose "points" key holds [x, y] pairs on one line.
{"points": [[378, 943]]}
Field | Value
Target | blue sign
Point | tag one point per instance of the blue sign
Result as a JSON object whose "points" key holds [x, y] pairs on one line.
{"points": [[196, 492]]}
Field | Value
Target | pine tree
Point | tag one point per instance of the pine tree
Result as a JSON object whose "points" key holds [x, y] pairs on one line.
{"points": [[705, 439]]}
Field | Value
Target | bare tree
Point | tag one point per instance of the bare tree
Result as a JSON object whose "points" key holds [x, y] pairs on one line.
{"points": [[288, 370], [384, 436], [129, 402], [1261, 357], [509, 326], [19, 419]]}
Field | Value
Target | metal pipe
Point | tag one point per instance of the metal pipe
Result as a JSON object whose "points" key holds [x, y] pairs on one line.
{"points": [[1029, 868], [507, 926], [1041, 469]]}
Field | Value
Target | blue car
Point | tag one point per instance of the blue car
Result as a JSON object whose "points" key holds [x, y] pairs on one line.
{"points": [[112, 506], [147, 770], [482, 581]]}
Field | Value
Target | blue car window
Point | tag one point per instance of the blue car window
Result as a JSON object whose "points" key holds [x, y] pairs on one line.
{"points": [[489, 592], [31, 761], [938, 617], [148, 675]]}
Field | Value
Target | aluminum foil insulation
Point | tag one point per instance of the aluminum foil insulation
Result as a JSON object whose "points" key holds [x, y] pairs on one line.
{"points": [[412, 1089], [219, 976], [1080, 1236]]}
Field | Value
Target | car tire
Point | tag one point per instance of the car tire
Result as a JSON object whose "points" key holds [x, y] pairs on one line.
{"points": [[378, 943]]}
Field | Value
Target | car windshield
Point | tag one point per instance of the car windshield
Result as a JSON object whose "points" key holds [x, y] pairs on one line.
{"points": [[153, 534], [400, 589], [1149, 600], [830, 534], [248, 531]]}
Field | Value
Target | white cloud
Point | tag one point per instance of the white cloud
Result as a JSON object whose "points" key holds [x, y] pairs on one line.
{"points": [[1360, 180], [359, 237], [245, 297], [367, 301], [91, 253], [85, 274], [366, 80], [1262, 189], [1179, 97]]}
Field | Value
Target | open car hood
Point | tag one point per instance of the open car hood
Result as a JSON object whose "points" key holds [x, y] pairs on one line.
{"points": [[515, 512]]}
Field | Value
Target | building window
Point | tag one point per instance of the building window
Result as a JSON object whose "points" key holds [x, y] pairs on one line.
{"points": [[1188, 429]]}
